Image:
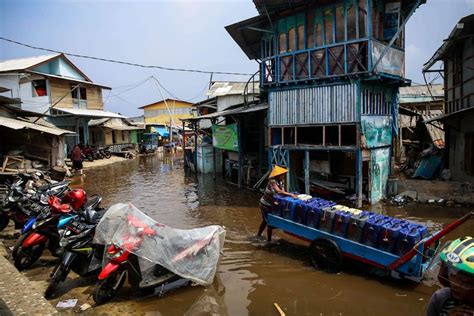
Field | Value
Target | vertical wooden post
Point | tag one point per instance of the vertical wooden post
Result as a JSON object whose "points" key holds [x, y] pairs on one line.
{"points": [[195, 148], [214, 163], [306, 172], [184, 145], [359, 178]]}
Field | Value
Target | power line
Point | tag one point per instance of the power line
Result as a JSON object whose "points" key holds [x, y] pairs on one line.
{"points": [[125, 62]]}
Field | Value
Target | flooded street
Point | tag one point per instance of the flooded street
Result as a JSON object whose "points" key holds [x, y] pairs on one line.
{"points": [[252, 276]]}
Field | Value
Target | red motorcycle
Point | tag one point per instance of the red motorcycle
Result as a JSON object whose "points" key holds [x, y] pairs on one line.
{"points": [[123, 262], [31, 245]]}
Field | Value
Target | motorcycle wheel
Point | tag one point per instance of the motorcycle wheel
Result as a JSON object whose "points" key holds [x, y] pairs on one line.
{"points": [[4, 219], [23, 258], [90, 158], [57, 278], [107, 154], [106, 289]]}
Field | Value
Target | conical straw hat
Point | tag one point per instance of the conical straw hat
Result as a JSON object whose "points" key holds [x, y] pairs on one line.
{"points": [[277, 170]]}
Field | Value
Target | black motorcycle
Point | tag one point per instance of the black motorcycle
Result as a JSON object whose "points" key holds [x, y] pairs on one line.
{"points": [[19, 205], [79, 254], [105, 152], [46, 232]]}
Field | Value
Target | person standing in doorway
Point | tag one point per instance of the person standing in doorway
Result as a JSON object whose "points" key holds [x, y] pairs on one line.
{"points": [[275, 186], [76, 158]]}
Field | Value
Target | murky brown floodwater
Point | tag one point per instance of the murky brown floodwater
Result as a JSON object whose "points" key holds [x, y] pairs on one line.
{"points": [[251, 276]]}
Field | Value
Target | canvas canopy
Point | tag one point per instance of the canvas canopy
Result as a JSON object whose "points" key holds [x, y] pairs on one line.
{"points": [[192, 254]]}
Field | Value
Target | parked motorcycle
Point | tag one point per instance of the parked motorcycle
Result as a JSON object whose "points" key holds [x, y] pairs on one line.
{"points": [[87, 153], [30, 246], [123, 262], [105, 152], [19, 205], [79, 254]]}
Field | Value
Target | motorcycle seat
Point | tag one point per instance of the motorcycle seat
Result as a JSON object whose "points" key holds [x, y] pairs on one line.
{"points": [[47, 187], [93, 201]]}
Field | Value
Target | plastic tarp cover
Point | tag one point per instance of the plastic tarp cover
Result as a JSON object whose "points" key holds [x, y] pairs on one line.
{"points": [[192, 254]]}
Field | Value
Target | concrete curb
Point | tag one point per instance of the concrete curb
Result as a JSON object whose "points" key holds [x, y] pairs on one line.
{"points": [[18, 293]]}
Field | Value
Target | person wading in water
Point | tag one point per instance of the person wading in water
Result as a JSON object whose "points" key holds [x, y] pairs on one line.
{"points": [[275, 186]]}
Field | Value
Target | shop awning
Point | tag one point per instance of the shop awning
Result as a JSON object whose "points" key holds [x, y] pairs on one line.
{"points": [[234, 111], [163, 131], [20, 124], [86, 113]]}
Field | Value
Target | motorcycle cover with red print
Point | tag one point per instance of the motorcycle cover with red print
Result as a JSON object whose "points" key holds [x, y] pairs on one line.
{"points": [[190, 253]]}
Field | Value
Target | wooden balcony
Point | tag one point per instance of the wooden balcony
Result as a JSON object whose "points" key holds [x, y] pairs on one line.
{"points": [[353, 58]]}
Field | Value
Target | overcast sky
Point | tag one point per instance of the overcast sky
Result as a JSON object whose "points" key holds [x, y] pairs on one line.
{"points": [[181, 34]]}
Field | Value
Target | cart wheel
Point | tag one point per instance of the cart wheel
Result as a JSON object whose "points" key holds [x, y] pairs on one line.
{"points": [[326, 255]]}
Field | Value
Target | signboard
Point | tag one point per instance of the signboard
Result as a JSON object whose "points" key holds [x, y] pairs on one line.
{"points": [[377, 131], [379, 169], [225, 137]]}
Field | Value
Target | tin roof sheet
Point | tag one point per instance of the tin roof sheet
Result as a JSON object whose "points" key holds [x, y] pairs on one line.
{"points": [[89, 113], [20, 124]]}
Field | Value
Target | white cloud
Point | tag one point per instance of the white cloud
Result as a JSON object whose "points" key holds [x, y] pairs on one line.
{"points": [[413, 50]]}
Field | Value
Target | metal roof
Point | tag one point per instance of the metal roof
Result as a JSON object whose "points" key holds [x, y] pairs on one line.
{"points": [[464, 27], [20, 124], [88, 113], [246, 35], [233, 111], [421, 94], [167, 99], [107, 122], [25, 63], [70, 79], [222, 88], [444, 117]]}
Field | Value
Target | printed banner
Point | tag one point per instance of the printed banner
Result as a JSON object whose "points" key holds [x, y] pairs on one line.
{"points": [[377, 131], [225, 137]]}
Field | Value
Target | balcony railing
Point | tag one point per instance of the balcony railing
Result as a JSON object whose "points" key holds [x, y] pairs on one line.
{"points": [[350, 58]]}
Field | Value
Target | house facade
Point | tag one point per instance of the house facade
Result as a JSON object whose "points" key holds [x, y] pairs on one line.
{"points": [[456, 57], [166, 112], [116, 133], [331, 70], [27, 134], [54, 86]]}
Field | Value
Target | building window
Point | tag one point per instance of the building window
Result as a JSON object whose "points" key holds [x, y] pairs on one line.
{"points": [[39, 88], [362, 19], [351, 23], [340, 32], [328, 27], [300, 37], [319, 33], [292, 40], [79, 97], [310, 29], [282, 43]]}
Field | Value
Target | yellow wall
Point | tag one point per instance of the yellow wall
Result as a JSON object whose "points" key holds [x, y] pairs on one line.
{"points": [[158, 112]]}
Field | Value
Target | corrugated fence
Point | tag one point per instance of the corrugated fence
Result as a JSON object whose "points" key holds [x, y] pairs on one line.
{"points": [[315, 105]]}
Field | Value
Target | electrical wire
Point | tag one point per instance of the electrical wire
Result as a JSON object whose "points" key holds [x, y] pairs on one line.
{"points": [[124, 62]]}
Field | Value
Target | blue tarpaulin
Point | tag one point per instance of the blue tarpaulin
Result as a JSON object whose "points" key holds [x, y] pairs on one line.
{"points": [[163, 131]]}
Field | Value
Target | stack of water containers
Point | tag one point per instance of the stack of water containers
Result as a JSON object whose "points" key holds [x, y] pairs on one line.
{"points": [[379, 231]]}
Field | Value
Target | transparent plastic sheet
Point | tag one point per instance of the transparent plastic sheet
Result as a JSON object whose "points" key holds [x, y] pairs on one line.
{"points": [[192, 254], [430, 276]]}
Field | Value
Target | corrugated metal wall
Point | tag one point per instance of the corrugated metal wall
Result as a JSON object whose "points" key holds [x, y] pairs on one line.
{"points": [[374, 103], [315, 105]]}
